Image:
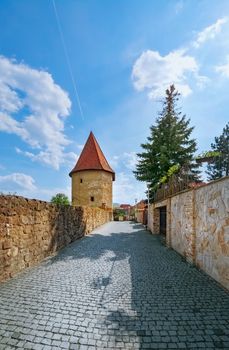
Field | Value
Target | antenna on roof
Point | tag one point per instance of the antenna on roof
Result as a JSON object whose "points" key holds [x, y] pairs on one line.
{"points": [[67, 59]]}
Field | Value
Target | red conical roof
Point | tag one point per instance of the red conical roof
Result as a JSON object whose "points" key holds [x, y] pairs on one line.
{"points": [[92, 158]]}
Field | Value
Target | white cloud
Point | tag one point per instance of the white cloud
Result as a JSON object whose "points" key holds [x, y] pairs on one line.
{"points": [[210, 32], [127, 189], [52, 159], [155, 72], [127, 160], [80, 147], [42, 103], [130, 160], [224, 69], [179, 6], [24, 185], [17, 181]]}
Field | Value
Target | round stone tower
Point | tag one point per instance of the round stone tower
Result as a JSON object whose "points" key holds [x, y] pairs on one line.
{"points": [[92, 177]]}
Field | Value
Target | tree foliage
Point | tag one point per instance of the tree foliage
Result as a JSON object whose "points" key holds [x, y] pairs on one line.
{"points": [[60, 199], [168, 145], [118, 212], [220, 165]]}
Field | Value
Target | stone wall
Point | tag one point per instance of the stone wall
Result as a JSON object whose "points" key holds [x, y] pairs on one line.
{"points": [[31, 230], [212, 230], [198, 227], [92, 183], [154, 219], [181, 229], [151, 218], [139, 215]]}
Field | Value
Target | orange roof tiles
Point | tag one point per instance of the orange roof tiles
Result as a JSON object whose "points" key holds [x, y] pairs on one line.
{"points": [[92, 158]]}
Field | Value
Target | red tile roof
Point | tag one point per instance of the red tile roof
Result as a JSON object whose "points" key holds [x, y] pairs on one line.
{"points": [[125, 206], [92, 158]]}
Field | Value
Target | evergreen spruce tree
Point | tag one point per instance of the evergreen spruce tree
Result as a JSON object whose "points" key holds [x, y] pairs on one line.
{"points": [[169, 143], [220, 165]]}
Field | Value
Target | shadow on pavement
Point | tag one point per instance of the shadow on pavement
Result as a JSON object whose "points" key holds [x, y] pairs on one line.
{"points": [[162, 303]]}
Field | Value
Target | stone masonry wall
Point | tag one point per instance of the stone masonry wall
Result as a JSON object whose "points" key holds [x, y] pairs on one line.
{"points": [[31, 230], [92, 183], [151, 218], [198, 227], [212, 230], [181, 229]]}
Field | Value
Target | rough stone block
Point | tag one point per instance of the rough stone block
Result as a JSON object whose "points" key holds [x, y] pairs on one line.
{"points": [[6, 244], [37, 229]]}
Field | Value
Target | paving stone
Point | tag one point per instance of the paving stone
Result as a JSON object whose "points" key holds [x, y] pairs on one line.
{"points": [[118, 288]]}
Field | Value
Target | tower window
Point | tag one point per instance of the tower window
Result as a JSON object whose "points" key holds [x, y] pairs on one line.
{"points": [[81, 180], [92, 199]]}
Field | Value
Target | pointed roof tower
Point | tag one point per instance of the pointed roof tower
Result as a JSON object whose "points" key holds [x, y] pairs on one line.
{"points": [[92, 158]]}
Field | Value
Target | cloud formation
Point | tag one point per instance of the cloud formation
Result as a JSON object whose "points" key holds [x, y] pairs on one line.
{"points": [[210, 32], [127, 189], [155, 72], [34, 107], [223, 69], [24, 185], [17, 181], [127, 160]]}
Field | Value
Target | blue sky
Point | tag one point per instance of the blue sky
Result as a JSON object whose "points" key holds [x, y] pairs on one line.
{"points": [[123, 55]]}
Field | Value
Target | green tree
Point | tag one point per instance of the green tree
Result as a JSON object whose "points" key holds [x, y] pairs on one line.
{"points": [[220, 165], [118, 212], [60, 199], [169, 143]]}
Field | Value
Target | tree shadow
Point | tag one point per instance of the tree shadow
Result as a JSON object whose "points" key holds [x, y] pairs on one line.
{"points": [[147, 295]]}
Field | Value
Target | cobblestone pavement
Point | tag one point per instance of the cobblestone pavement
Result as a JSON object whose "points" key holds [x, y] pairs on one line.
{"points": [[118, 288]]}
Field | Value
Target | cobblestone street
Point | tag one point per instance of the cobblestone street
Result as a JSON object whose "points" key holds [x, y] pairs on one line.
{"points": [[118, 288]]}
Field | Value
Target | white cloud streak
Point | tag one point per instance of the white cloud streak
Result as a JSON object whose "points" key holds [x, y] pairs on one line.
{"points": [[17, 181], [24, 185], [127, 189], [34, 107], [223, 69], [127, 160], [210, 32]]}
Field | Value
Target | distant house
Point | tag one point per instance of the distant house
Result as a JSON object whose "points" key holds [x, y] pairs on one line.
{"points": [[126, 208], [140, 210], [123, 212]]}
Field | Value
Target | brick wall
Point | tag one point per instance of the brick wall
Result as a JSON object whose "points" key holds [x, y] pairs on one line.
{"points": [[31, 230]]}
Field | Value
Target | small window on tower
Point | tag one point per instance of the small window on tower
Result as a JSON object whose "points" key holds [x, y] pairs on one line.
{"points": [[92, 199], [81, 180]]}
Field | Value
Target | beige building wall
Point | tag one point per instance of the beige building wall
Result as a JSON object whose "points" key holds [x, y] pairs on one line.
{"points": [[92, 188]]}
